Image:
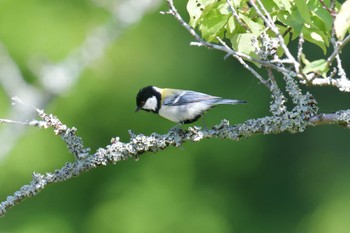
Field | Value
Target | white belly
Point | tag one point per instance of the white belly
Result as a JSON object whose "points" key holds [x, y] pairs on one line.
{"points": [[182, 113]]}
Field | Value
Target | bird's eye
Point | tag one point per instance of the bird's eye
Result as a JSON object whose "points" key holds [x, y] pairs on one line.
{"points": [[143, 103]]}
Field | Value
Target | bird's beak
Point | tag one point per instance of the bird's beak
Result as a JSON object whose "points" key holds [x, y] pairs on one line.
{"points": [[137, 109]]}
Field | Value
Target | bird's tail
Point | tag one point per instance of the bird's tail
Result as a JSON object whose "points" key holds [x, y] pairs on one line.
{"points": [[229, 101]]}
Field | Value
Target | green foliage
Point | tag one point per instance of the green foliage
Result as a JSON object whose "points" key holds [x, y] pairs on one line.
{"points": [[210, 15], [239, 43], [214, 18], [342, 21], [318, 66]]}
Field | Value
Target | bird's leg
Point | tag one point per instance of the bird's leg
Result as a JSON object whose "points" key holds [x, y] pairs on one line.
{"points": [[204, 125], [176, 127]]}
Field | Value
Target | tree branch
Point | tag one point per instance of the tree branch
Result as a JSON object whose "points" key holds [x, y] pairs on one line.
{"points": [[337, 49], [139, 144]]}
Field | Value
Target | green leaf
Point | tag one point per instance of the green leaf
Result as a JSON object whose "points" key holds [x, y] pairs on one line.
{"points": [[316, 37], [282, 29], [304, 10], [293, 20], [243, 43], [304, 59], [213, 24], [236, 3], [342, 20], [325, 17], [283, 5], [233, 28], [318, 66], [231, 25], [255, 27], [269, 5], [197, 9]]}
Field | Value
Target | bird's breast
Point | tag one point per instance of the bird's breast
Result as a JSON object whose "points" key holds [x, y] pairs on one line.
{"points": [[183, 113]]}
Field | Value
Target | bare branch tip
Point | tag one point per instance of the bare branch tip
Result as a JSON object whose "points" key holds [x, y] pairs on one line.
{"points": [[195, 43], [169, 12], [227, 56], [16, 100]]}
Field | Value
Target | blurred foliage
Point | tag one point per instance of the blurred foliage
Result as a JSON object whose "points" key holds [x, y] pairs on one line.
{"points": [[276, 183]]}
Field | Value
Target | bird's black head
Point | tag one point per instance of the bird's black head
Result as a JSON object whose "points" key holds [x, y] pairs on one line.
{"points": [[148, 99]]}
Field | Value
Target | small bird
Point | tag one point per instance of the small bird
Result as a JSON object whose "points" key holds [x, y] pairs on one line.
{"points": [[179, 106]]}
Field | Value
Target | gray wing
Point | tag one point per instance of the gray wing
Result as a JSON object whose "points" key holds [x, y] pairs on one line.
{"points": [[187, 97]]}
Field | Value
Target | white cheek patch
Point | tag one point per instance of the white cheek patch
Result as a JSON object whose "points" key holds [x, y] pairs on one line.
{"points": [[151, 104]]}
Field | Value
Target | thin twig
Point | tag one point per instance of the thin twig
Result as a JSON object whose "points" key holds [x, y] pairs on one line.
{"points": [[341, 71], [245, 65], [338, 47], [300, 54], [270, 23], [336, 55], [329, 9], [236, 16], [271, 77], [300, 47], [7, 121], [231, 52]]}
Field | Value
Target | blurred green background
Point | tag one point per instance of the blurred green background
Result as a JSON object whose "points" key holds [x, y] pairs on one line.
{"points": [[275, 183]]}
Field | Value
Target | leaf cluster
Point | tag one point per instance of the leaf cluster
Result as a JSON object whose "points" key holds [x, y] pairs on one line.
{"points": [[248, 25], [215, 18]]}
